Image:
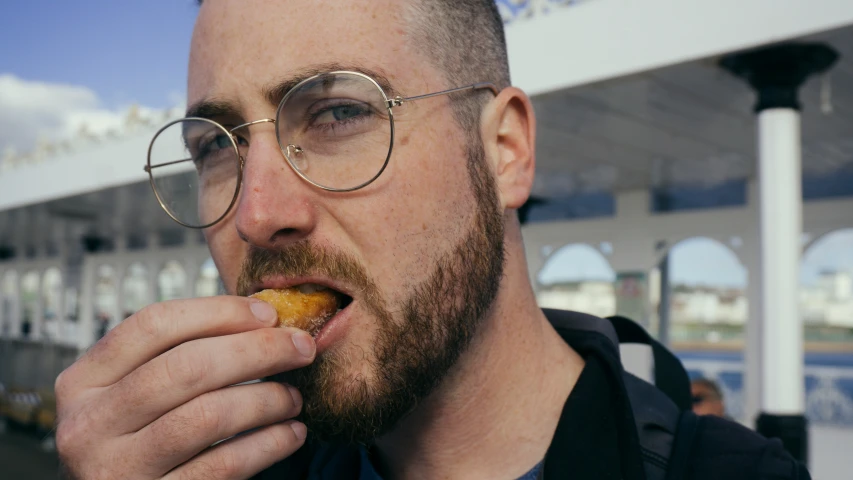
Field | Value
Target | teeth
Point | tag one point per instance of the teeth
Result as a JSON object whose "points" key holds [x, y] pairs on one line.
{"points": [[310, 288]]}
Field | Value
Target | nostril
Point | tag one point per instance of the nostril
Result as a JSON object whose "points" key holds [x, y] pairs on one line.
{"points": [[286, 236]]}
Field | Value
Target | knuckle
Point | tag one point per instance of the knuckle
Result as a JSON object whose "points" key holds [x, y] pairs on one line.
{"points": [[207, 413], [223, 463], [286, 399], [167, 438], [185, 369], [197, 470], [267, 400], [65, 437], [269, 344], [84, 451], [73, 436], [228, 463], [61, 386], [278, 440], [149, 320]]}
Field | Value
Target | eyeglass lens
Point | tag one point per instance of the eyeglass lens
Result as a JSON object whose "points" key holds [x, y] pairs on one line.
{"points": [[334, 130]]}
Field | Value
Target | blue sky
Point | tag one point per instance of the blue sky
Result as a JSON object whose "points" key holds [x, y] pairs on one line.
{"points": [[65, 64], [124, 51]]}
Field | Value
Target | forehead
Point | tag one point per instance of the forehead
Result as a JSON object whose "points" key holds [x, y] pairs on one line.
{"points": [[246, 45], [701, 388]]}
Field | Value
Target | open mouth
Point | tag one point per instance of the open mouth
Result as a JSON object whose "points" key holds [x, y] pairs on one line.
{"points": [[342, 299], [307, 306]]}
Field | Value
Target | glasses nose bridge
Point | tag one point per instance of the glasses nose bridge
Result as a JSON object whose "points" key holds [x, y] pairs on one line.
{"points": [[249, 124]]}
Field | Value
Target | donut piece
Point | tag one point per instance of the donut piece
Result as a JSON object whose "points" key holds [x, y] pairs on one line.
{"points": [[299, 309]]}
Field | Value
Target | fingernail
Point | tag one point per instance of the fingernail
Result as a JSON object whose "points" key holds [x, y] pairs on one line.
{"points": [[296, 396], [300, 430], [264, 312], [304, 343]]}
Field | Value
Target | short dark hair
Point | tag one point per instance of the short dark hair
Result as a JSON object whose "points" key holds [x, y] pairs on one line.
{"points": [[710, 385], [465, 40]]}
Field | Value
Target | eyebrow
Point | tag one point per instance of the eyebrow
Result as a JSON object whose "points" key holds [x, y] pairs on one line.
{"points": [[275, 92], [212, 109]]}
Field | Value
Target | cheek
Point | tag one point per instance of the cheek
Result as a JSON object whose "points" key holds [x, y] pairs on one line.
{"points": [[429, 206]]}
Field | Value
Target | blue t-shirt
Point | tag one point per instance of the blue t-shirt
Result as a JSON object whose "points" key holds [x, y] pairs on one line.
{"points": [[369, 473]]}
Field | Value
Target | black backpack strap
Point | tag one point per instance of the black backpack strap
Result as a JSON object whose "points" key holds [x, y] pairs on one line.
{"points": [[682, 448], [670, 375], [656, 418]]}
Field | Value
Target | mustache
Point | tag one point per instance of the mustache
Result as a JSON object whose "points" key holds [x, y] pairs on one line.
{"points": [[303, 259]]}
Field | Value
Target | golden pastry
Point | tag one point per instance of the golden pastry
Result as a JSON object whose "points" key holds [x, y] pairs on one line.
{"points": [[304, 307]]}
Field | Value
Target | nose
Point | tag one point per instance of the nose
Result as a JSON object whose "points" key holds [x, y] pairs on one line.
{"points": [[275, 206]]}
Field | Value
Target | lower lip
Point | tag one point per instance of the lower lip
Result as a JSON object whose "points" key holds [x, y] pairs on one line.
{"points": [[334, 329]]}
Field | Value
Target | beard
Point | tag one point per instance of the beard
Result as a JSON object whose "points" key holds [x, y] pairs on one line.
{"points": [[416, 345]]}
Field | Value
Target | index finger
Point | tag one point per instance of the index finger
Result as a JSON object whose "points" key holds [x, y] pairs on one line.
{"points": [[160, 327]]}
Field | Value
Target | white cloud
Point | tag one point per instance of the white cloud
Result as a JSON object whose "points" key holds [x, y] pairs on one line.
{"points": [[31, 111]]}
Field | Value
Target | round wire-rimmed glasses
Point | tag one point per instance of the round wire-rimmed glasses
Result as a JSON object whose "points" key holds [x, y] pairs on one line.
{"points": [[334, 129]]}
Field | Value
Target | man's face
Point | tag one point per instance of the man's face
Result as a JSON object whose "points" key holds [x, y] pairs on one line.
{"points": [[706, 401], [420, 250]]}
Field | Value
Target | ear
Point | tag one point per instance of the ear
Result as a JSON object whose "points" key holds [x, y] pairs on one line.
{"points": [[508, 128]]}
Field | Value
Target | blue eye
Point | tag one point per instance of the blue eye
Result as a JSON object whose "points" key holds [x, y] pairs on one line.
{"points": [[220, 141], [212, 145], [335, 115], [345, 112]]}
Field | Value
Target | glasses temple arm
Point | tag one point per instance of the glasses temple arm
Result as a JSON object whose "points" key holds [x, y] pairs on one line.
{"points": [[477, 86], [148, 168]]}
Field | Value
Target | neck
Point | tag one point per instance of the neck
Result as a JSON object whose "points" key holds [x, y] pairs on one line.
{"points": [[502, 400]]}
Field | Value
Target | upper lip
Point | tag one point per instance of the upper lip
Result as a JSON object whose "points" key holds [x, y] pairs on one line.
{"points": [[287, 282]]}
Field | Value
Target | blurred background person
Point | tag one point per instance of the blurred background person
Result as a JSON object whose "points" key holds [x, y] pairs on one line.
{"points": [[707, 398]]}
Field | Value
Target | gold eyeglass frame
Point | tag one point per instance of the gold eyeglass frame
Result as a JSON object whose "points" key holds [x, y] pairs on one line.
{"points": [[389, 104]]}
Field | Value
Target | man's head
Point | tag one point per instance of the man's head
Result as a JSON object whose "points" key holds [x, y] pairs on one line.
{"points": [[421, 250], [707, 398]]}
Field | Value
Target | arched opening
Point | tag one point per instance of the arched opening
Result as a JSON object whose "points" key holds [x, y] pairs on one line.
{"points": [[29, 303], [51, 291], [171, 281], [708, 307], [105, 299], [826, 291], [8, 297], [578, 277], [208, 283], [708, 314], [135, 289]]}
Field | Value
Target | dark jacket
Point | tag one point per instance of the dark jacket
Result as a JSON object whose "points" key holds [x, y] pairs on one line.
{"points": [[600, 430]]}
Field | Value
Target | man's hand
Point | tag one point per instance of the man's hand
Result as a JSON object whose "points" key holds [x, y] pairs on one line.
{"points": [[154, 394]]}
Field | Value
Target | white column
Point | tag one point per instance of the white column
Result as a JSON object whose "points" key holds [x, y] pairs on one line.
{"points": [[16, 311], [86, 322], [781, 227], [117, 315], [3, 326], [192, 269], [120, 265], [155, 262], [38, 309], [154, 265], [61, 320], [634, 252], [752, 370]]}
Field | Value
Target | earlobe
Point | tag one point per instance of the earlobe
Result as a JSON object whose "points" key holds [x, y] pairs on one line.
{"points": [[509, 135]]}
